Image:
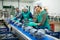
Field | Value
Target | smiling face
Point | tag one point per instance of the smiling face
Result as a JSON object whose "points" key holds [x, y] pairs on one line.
{"points": [[38, 9]]}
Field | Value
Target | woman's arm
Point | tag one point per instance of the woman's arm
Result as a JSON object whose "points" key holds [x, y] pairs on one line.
{"points": [[43, 19]]}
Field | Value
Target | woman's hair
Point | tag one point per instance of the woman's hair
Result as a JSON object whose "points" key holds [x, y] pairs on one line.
{"points": [[40, 7]]}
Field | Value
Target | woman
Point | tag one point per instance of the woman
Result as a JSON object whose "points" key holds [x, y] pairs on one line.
{"points": [[26, 15], [41, 18]]}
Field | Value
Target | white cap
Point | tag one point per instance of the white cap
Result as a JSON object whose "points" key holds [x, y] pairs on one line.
{"points": [[38, 3], [24, 7]]}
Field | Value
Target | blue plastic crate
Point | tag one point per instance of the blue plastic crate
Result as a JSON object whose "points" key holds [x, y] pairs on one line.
{"points": [[4, 29], [7, 38], [11, 39], [55, 34]]}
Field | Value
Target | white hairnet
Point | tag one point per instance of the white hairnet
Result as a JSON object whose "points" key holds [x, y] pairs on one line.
{"points": [[38, 3], [24, 7]]}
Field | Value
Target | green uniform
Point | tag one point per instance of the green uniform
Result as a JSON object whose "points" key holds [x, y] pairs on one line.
{"points": [[26, 15], [43, 21], [40, 19]]}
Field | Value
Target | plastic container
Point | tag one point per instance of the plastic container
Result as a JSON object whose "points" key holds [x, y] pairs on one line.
{"points": [[8, 36], [55, 34]]}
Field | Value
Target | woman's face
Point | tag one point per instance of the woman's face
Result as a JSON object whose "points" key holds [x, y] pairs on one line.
{"points": [[17, 9], [25, 10], [37, 9]]}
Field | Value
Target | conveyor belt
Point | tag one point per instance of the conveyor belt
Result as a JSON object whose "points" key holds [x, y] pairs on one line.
{"points": [[29, 36]]}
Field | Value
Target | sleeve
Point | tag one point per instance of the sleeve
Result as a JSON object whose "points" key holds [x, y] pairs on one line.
{"points": [[30, 15], [15, 14], [43, 19], [22, 17]]}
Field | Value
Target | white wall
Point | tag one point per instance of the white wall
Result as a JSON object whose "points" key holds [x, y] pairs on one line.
{"points": [[53, 6], [24, 4], [8, 3], [15, 4], [0, 5]]}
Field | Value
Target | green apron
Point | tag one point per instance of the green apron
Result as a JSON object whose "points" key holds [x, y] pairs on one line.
{"points": [[26, 15], [39, 20]]}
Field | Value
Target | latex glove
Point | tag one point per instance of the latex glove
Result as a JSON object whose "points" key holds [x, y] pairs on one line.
{"points": [[32, 24], [39, 24]]}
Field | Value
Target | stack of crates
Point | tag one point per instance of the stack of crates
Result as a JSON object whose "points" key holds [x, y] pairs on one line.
{"points": [[54, 34], [5, 34], [8, 36]]}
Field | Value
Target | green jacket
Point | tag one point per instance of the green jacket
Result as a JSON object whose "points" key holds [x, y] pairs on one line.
{"points": [[42, 18]]}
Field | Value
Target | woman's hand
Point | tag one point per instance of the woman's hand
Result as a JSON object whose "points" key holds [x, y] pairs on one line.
{"points": [[39, 24]]}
